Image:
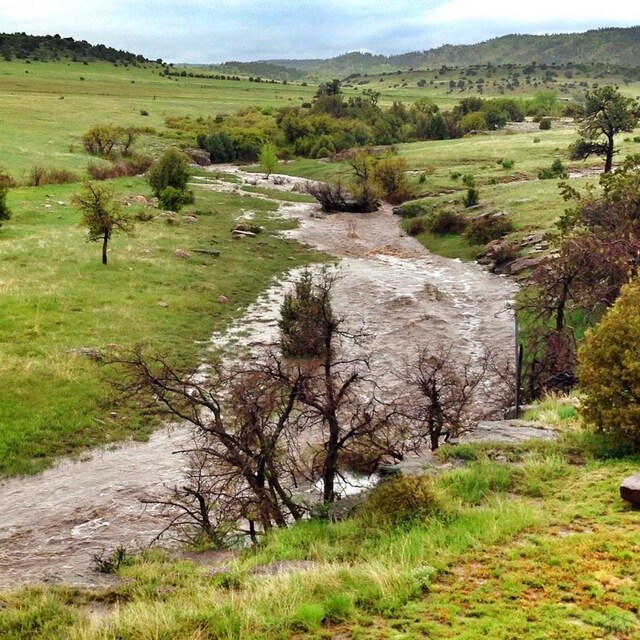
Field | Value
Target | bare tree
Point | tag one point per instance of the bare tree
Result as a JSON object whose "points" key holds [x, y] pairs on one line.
{"points": [[448, 395]]}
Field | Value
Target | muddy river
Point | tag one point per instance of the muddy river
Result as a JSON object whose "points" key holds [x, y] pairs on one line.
{"points": [[53, 524]]}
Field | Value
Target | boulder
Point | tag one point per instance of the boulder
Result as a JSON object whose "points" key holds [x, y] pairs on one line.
{"points": [[181, 253], [630, 490], [507, 432], [199, 157]]}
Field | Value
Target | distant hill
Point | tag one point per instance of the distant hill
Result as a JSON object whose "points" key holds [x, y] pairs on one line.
{"points": [[616, 46], [26, 47]]}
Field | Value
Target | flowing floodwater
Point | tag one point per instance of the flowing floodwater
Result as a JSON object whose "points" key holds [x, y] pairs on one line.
{"points": [[54, 523]]}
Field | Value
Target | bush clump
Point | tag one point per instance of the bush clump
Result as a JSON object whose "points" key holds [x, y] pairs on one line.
{"points": [[416, 226], [40, 175], [545, 124], [556, 170], [486, 228], [448, 222], [609, 370], [402, 500]]}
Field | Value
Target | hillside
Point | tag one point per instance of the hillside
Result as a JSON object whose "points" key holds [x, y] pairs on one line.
{"points": [[28, 47], [616, 46]]}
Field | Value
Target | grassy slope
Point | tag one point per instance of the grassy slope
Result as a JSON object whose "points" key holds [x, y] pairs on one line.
{"points": [[57, 297]]}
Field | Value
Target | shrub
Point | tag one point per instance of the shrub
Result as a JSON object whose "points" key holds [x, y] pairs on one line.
{"points": [[131, 167], [173, 199], [416, 226], [471, 198], [40, 175], [507, 163], [171, 170], [402, 500], [556, 170], [5, 212], [609, 371], [545, 124], [447, 222], [413, 209], [486, 228], [5, 179]]}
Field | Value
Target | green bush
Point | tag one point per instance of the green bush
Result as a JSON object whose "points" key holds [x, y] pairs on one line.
{"points": [[5, 212], [414, 209], [172, 199], [402, 500], [171, 170], [471, 198], [545, 124], [447, 222], [486, 228], [556, 170], [609, 369]]}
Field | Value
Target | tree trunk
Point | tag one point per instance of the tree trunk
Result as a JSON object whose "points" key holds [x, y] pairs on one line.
{"points": [[105, 242], [608, 162]]}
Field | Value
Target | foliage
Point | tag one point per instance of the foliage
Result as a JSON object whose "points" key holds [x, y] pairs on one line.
{"points": [[402, 500], [545, 124], [447, 222], [108, 140], [606, 113], [102, 215], [40, 175], [171, 170], [556, 170], [471, 198], [596, 253], [609, 371], [173, 199], [5, 211], [304, 315], [485, 228], [416, 226], [268, 159]]}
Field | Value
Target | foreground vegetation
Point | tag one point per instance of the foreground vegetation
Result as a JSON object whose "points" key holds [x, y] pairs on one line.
{"points": [[543, 548]]}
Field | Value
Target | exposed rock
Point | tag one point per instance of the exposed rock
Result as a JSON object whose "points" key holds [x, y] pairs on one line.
{"points": [[163, 304], [207, 252], [191, 218], [630, 490], [223, 299], [140, 199], [181, 253], [524, 263], [243, 234], [507, 432], [199, 156]]}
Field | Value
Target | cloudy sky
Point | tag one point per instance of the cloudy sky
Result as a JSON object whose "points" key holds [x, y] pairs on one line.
{"points": [[218, 30]]}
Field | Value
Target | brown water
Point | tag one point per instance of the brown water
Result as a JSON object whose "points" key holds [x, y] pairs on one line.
{"points": [[54, 523]]}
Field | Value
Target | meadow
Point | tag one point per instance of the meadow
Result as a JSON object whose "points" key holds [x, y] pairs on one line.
{"points": [[526, 542]]}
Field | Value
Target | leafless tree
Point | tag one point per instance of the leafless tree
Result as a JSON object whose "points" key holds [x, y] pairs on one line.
{"points": [[448, 394]]}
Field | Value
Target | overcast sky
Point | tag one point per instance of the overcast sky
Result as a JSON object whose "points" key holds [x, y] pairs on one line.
{"points": [[218, 30]]}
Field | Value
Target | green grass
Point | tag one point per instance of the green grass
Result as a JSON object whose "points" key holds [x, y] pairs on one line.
{"points": [[497, 562], [57, 297]]}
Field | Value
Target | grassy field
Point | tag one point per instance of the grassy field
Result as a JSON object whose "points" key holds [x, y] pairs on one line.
{"points": [[542, 547], [58, 297]]}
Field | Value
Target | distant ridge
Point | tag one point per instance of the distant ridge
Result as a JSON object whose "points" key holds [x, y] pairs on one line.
{"points": [[22, 46], [615, 46]]}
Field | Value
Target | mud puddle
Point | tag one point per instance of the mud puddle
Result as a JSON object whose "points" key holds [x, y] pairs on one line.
{"points": [[53, 524]]}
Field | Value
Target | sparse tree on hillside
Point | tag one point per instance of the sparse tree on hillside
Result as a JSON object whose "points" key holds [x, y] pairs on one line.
{"points": [[606, 113], [101, 214]]}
